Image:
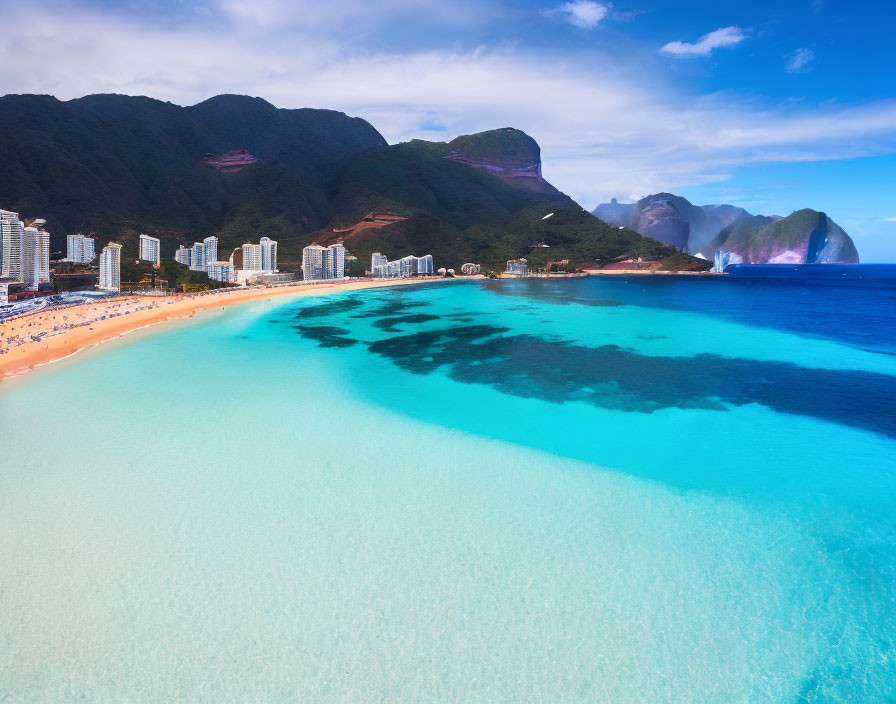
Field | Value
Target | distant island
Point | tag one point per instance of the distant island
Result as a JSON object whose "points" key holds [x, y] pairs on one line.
{"points": [[804, 237]]}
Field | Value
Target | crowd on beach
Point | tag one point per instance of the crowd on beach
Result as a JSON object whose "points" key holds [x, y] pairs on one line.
{"points": [[36, 328]]}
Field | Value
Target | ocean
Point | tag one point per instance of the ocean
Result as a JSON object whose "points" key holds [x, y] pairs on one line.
{"points": [[610, 489]]}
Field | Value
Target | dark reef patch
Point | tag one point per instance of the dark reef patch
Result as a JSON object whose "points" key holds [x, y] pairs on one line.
{"points": [[326, 335], [611, 377], [391, 324], [332, 308]]}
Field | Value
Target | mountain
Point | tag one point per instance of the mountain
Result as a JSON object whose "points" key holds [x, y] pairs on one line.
{"points": [[240, 168], [117, 164], [804, 237], [704, 229]]}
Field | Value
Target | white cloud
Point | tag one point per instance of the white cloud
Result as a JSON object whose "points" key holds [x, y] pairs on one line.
{"points": [[603, 133], [724, 37], [581, 13], [799, 60], [889, 219]]}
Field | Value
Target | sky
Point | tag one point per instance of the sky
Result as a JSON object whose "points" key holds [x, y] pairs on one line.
{"points": [[770, 105]]}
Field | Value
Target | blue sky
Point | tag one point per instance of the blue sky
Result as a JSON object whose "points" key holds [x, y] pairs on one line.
{"points": [[774, 106]]}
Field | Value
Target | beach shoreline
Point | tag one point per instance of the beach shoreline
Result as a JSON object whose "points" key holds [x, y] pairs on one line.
{"points": [[118, 317]]}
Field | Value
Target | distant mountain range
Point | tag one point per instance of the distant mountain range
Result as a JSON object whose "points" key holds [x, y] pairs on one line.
{"points": [[240, 168], [804, 237]]}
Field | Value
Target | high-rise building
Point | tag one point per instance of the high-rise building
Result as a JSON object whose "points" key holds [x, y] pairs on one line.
{"points": [[323, 262], [150, 249], [110, 268], [183, 255], [80, 249], [377, 259], [335, 261], [268, 254], [12, 230], [36, 256], [210, 250], [313, 262], [252, 257], [197, 257], [221, 271]]}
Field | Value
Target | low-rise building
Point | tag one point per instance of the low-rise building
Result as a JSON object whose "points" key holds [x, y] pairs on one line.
{"points": [[517, 267], [221, 271], [401, 268]]}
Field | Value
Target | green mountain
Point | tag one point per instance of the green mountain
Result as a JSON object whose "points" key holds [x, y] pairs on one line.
{"points": [[241, 168]]}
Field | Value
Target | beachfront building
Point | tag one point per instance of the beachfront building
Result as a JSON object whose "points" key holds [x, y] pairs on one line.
{"points": [[252, 256], [319, 263], [197, 257], [517, 267], [80, 249], [12, 230], [221, 271], [403, 268], [470, 269], [36, 256], [183, 255], [151, 250], [268, 254], [110, 268], [209, 250]]}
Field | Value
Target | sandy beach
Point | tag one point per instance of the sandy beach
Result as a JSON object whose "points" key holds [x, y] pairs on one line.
{"points": [[34, 340]]}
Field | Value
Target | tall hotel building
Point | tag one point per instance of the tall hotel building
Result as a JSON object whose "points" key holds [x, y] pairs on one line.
{"points": [[151, 250], [252, 257], [12, 231], [110, 268], [36, 256], [210, 250], [80, 249], [268, 254], [197, 257], [323, 262]]}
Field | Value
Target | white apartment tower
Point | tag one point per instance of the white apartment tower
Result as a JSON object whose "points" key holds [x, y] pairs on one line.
{"points": [[268, 254], [12, 230], [378, 259], [110, 268], [197, 257], [253, 256], [323, 262], [151, 250], [210, 250], [182, 255], [335, 261], [80, 249], [313, 262], [36, 256]]}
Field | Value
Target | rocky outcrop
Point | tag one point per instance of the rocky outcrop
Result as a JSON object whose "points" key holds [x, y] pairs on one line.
{"points": [[661, 221], [615, 213], [506, 152], [806, 236]]}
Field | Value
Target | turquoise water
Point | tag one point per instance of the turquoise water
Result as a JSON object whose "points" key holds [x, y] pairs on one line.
{"points": [[601, 491]]}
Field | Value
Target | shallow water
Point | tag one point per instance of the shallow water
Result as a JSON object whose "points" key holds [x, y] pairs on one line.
{"points": [[591, 490]]}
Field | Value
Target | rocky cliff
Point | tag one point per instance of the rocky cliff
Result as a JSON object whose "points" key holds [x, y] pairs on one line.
{"points": [[507, 152], [806, 236]]}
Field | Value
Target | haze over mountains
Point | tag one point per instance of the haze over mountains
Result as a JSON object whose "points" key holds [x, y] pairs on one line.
{"points": [[239, 168], [806, 236]]}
